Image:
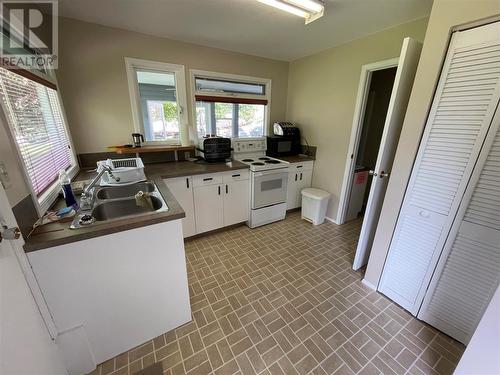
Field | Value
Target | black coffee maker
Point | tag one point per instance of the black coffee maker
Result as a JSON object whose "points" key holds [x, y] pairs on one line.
{"points": [[137, 138]]}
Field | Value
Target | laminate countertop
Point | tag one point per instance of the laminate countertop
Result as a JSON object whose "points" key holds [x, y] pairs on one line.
{"points": [[59, 233], [296, 158]]}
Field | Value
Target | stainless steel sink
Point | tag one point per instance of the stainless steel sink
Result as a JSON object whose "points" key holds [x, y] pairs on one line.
{"points": [[114, 192], [114, 209], [118, 202]]}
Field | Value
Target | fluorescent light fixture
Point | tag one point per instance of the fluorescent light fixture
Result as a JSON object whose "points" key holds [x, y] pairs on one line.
{"points": [[286, 7], [309, 5], [310, 10]]}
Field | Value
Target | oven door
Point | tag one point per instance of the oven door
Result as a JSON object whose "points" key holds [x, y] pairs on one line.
{"points": [[269, 187]]}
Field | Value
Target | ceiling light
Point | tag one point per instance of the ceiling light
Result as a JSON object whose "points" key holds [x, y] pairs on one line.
{"points": [[310, 10], [310, 5], [286, 7]]}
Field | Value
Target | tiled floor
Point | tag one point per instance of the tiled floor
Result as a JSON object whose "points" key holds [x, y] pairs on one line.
{"points": [[283, 299]]}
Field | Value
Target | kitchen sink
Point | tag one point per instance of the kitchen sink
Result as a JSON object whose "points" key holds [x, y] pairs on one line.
{"points": [[114, 209], [113, 192], [110, 203]]}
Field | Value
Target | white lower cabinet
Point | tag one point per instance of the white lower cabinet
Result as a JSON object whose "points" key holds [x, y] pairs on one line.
{"points": [[209, 207], [299, 177], [182, 189], [236, 208], [212, 201]]}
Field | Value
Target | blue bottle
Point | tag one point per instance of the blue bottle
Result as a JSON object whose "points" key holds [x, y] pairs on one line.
{"points": [[65, 182]]}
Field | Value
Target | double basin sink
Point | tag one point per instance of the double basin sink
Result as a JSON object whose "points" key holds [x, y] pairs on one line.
{"points": [[118, 202]]}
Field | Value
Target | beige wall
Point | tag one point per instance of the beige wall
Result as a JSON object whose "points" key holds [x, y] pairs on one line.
{"points": [[93, 79], [322, 91], [445, 14]]}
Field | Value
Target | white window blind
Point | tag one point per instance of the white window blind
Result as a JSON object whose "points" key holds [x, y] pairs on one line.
{"points": [[231, 106], [35, 115]]}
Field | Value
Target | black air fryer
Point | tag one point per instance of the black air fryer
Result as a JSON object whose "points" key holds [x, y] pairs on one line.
{"points": [[214, 149]]}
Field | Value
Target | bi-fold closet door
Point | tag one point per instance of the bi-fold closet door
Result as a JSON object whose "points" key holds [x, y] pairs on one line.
{"points": [[468, 271], [460, 123]]}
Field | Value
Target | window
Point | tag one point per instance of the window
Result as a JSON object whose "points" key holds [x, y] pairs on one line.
{"points": [[230, 106], [157, 92], [33, 111]]}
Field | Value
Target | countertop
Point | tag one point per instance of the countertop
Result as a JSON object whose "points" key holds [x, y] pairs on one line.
{"points": [[296, 158], [56, 234]]}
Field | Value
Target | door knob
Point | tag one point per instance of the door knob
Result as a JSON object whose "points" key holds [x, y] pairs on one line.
{"points": [[372, 173], [383, 174], [9, 233]]}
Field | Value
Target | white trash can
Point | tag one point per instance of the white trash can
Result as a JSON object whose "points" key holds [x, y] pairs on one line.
{"points": [[314, 204]]}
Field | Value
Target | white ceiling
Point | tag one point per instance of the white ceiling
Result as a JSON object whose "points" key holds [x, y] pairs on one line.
{"points": [[248, 26]]}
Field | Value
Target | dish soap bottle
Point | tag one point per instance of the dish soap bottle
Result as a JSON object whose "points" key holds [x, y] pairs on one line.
{"points": [[65, 182]]}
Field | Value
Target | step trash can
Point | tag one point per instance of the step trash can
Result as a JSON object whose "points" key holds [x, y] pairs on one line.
{"points": [[314, 204]]}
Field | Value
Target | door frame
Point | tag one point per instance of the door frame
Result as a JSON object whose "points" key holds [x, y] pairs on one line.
{"points": [[26, 269], [367, 71]]}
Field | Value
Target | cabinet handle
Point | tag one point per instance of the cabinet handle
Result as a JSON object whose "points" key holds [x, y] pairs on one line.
{"points": [[236, 175], [295, 176], [301, 176], [299, 166], [219, 189], [187, 183], [208, 179]]}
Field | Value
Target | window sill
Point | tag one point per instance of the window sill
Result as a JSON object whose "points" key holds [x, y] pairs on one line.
{"points": [[150, 148]]}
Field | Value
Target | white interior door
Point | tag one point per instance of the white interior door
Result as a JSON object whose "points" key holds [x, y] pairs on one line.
{"points": [[403, 83], [25, 343]]}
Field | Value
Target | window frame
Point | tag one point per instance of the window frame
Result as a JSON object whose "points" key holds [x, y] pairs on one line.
{"points": [[236, 77], [131, 64], [49, 196]]}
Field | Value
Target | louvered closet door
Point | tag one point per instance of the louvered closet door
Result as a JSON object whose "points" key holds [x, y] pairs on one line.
{"points": [[468, 271], [462, 111]]}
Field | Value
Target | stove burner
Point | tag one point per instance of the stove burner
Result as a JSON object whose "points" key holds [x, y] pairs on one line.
{"points": [[273, 162], [258, 163], [264, 158], [247, 160]]}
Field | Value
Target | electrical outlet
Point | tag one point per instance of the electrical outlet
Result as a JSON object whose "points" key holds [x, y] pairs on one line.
{"points": [[4, 176]]}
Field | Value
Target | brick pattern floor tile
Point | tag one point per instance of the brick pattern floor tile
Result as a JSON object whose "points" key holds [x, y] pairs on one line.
{"points": [[283, 299]]}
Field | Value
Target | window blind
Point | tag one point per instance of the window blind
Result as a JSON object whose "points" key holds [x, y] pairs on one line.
{"points": [[225, 86], [214, 90], [35, 115], [223, 99]]}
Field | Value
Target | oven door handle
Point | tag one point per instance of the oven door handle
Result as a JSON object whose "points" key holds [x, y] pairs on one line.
{"points": [[273, 171]]}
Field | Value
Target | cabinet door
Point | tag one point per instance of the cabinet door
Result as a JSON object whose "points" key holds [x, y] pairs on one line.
{"points": [[304, 181], [291, 194], [236, 202], [182, 189], [208, 205]]}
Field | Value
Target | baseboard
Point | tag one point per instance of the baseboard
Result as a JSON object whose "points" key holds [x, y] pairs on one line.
{"points": [[331, 220], [368, 284]]}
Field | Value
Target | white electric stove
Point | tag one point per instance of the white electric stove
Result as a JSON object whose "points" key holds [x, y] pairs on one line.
{"points": [[268, 181]]}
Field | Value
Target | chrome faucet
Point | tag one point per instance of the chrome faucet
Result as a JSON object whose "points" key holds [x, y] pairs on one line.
{"points": [[87, 196]]}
